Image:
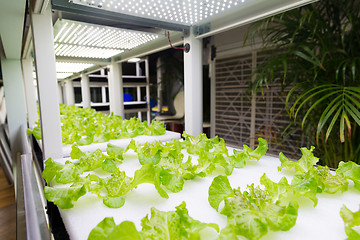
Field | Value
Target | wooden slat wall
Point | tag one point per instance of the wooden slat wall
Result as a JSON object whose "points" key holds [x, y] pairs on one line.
{"points": [[233, 104], [233, 108]]}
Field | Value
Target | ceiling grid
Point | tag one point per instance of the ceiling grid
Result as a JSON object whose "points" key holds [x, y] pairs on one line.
{"points": [[111, 29]]}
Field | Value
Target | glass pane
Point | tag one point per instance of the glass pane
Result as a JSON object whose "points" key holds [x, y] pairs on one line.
{"points": [[95, 93], [77, 92]]}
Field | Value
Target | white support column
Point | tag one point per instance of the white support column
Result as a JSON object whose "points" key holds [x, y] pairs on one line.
{"points": [[253, 104], [116, 96], [15, 103], [147, 90], [212, 97], [103, 94], [138, 98], [69, 92], [85, 91], [193, 78], [138, 69], [43, 40], [159, 73], [60, 89], [27, 69]]}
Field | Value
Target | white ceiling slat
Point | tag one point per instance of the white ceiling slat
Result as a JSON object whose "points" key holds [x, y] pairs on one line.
{"points": [[186, 12], [83, 39], [120, 44]]}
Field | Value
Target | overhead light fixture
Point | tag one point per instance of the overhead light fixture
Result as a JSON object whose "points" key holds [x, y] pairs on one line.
{"points": [[63, 75], [78, 39], [187, 12], [68, 67], [134, 60]]}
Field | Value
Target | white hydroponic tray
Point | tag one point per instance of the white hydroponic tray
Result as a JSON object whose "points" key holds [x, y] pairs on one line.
{"points": [[321, 222], [123, 142]]}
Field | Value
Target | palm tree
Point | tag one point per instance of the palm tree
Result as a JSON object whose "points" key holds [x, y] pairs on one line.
{"points": [[316, 50]]}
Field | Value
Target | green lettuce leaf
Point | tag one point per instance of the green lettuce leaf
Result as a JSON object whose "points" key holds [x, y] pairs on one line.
{"points": [[68, 174], [114, 202], [306, 185], [50, 170], [84, 126], [173, 182], [198, 144], [149, 153], [103, 229], [107, 229], [125, 231], [115, 152], [256, 154], [118, 184], [172, 225], [149, 174], [219, 189], [109, 165], [254, 212], [351, 171], [352, 223], [64, 197], [36, 131], [303, 165], [92, 161], [328, 182]]}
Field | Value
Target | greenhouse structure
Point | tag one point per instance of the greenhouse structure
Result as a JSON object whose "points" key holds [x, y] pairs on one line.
{"points": [[176, 119]]}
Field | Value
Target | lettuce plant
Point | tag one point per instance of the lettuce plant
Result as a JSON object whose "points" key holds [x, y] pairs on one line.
{"points": [[253, 212], [84, 126], [171, 225], [163, 165], [352, 223]]}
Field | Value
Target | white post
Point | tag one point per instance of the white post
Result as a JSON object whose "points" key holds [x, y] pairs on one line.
{"points": [[147, 90], [69, 93], [15, 103], [116, 96], [253, 104], [27, 68], [103, 94], [43, 40], [60, 89], [193, 86], [138, 98], [212, 97], [85, 91], [159, 73], [138, 69]]}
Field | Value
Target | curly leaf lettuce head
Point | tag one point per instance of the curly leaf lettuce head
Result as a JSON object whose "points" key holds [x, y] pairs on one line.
{"points": [[351, 171], [352, 223], [107, 229], [64, 197], [172, 225], [303, 165]]}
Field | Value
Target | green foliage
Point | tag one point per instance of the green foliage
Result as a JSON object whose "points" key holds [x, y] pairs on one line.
{"points": [[252, 213], [319, 178], [315, 50], [352, 223], [64, 197], [163, 165], [171, 225], [84, 126], [255, 211], [351, 171], [36, 131]]}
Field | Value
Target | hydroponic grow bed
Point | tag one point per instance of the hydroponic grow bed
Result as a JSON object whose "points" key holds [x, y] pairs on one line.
{"points": [[321, 222]]}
